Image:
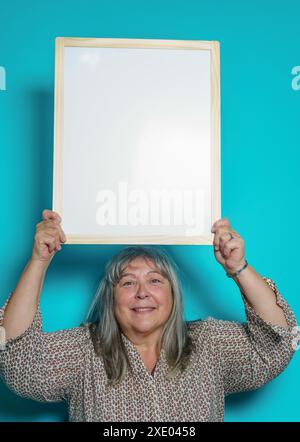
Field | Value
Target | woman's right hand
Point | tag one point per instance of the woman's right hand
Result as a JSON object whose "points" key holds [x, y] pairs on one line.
{"points": [[48, 237]]}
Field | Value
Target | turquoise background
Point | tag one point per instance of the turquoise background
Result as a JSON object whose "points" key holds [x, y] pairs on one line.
{"points": [[260, 164]]}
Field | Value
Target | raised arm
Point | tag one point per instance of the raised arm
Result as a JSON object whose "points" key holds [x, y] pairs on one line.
{"points": [[37, 365], [23, 302], [254, 352], [229, 251]]}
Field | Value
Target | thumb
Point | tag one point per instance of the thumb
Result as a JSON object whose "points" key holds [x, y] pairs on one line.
{"points": [[49, 214]]}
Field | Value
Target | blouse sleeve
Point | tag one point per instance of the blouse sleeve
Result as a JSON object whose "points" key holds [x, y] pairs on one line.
{"points": [[254, 352], [42, 366]]}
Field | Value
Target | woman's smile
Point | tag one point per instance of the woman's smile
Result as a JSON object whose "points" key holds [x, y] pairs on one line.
{"points": [[143, 310]]}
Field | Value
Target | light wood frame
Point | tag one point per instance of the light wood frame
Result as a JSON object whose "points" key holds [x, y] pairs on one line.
{"points": [[213, 46]]}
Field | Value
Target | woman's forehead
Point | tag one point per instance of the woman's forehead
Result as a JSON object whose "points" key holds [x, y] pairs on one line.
{"points": [[140, 263]]}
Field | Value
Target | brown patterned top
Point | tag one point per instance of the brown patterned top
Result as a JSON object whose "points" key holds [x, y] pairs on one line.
{"points": [[229, 357]]}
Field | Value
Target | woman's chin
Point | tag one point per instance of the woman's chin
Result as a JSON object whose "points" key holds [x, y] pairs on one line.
{"points": [[145, 327]]}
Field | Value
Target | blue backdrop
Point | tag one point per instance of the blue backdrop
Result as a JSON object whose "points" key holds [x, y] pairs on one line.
{"points": [[260, 108]]}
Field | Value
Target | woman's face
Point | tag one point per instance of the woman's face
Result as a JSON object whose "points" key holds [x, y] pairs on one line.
{"points": [[143, 300]]}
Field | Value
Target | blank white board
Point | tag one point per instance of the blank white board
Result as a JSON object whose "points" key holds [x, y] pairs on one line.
{"points": [[136, 140]]}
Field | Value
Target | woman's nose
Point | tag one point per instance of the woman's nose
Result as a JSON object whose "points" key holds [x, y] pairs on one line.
{"points": [[141, 291]]}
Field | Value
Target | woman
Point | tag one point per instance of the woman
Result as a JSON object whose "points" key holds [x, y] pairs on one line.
{"points": [[135, 358]]}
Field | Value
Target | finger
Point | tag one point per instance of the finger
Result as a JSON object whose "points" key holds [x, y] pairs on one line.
{"points": [[229, 246], [50, 230], [57, 245], [223, 222], [220, 236], [50, 214], [225, 236], [219, 256], [48, 240], [225, 239], [57, 232], [48, 224], [62, 235], [235, 233], [228, 236], [52, 224]]}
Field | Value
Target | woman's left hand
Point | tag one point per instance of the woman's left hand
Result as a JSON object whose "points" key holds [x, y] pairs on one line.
{"points": [[230, 253]]}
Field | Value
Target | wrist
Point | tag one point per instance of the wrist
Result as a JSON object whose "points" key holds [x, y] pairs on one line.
{"points": [[38, 264], [237, 270]]}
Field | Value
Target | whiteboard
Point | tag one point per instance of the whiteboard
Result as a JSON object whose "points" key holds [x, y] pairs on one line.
{"points": [[137, 140]]}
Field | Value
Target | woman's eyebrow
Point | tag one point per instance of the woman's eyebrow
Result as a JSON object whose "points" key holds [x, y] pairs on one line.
{"points": [[126, 274], [151, 271]]}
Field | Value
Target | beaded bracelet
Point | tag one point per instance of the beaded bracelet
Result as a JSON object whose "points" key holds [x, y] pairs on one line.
{"points": [[232, 275]]}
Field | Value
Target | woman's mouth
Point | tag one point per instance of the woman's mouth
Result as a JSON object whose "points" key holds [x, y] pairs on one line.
{"points": [[143, 310]]}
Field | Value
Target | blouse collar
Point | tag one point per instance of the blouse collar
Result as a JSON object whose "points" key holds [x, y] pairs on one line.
{"points": [[137, 362]]}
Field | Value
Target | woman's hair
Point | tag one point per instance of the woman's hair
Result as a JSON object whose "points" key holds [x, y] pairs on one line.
{"points": [[106, 332]]}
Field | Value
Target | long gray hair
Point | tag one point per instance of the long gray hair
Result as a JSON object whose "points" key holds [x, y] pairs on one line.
{"points": [[106, 332]]}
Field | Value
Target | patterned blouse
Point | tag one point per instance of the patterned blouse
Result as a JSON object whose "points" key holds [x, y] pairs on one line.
{"points": [[229, 357]]}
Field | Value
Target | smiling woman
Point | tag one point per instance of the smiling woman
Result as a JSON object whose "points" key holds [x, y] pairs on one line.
{"points": [[139, 298], [104, 369], [143, 304]]}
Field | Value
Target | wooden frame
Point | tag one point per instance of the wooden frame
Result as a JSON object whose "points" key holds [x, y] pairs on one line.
{"points": [[77, 222]]}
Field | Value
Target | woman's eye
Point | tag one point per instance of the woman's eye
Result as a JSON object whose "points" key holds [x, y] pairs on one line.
{"points": [[128, 283]]}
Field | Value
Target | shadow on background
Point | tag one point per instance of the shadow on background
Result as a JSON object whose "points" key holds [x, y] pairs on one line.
{"points": [[15, 408]]}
